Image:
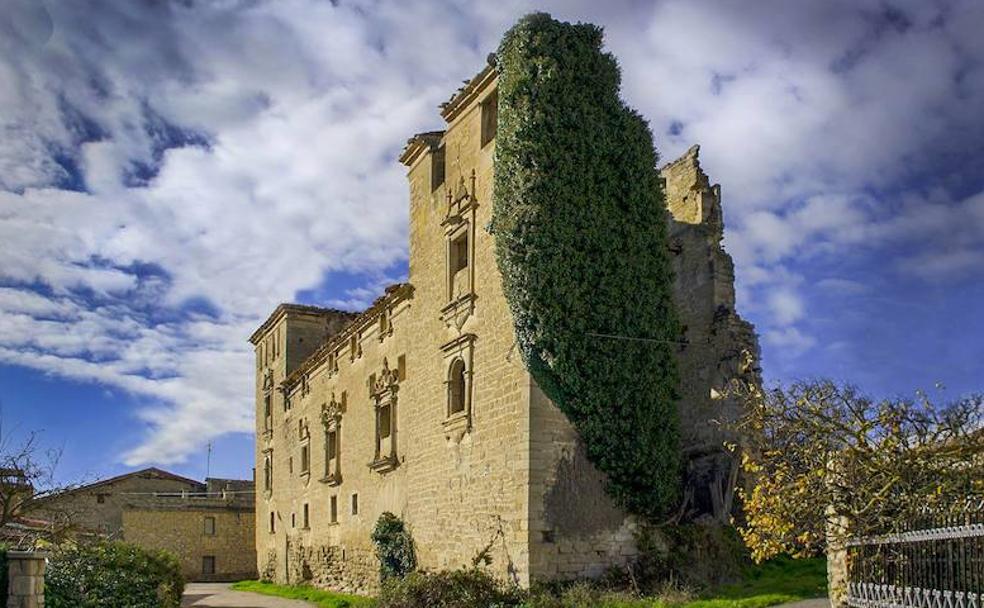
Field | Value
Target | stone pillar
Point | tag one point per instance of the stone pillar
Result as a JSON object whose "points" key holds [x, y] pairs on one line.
{"points": [[26, 580], [837, 560]]}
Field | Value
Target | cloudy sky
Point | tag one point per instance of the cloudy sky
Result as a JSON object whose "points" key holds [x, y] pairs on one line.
{"points": [[169, 172]]}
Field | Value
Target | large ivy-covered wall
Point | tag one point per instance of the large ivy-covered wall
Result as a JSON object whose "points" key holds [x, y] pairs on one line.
{"points": [[580, 227]]}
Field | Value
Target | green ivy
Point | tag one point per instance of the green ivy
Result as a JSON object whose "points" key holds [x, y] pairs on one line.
{"points": [[394, 547], [580, 224]]}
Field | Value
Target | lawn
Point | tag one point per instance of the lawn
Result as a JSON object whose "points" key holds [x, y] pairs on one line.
{"points": [[318, 597], [776, 582]]}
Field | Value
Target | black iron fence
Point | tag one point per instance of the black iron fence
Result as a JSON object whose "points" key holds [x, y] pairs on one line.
{"points": [[935, 561]]}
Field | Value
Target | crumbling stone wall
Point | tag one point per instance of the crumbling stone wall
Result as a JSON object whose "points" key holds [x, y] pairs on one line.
{"points": [[721, 348]]}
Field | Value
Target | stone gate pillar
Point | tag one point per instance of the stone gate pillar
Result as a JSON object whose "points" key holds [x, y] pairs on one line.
{"points": [[26, 579]]}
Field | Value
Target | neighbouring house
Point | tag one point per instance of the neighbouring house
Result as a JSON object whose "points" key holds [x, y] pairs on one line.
{"points": [[212, 533], [208, 525], [421, 406]]}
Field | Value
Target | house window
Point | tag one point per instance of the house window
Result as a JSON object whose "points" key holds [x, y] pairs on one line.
{"points": [[437, 168], [101, 498], [334, 510], [290, 465], [355, 504], [268, 412], [273, 523], [384, 325], [401, 367], [293, 520], [208, 565], [456, 387], [209, 526], [490, 117], [458, 267], [307, 519]]}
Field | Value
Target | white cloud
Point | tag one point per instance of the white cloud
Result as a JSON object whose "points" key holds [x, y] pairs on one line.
{"points": [[289, 117]]}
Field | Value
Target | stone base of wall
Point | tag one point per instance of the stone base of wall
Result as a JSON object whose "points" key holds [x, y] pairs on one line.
{"points": [[348, 570]]}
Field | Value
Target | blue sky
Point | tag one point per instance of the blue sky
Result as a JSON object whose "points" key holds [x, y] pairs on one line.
{"points": [[169, 172]]}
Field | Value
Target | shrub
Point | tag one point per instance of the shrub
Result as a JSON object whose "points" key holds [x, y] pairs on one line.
{"points": [[579, 219], [3, 572], [448, 589], [112, 574], [394, 547]]}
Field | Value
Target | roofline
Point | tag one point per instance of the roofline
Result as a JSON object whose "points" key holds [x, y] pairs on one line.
{"points": [[394, 293], [287, 307], [416, 145], [111, 480], [466, 94]]}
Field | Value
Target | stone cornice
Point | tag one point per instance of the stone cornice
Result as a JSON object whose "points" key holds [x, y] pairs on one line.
{"points": [[286, 308], [466, 94], [394, 294]]}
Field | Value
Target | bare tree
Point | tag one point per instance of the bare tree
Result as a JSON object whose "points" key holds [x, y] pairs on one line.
{"points": [[818, 454], [27, 477]]}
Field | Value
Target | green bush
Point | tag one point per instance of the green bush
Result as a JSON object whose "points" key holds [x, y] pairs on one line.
{"points": [[101, 575], [4, 571], [579, 220], [448, 589], [394, 547]]}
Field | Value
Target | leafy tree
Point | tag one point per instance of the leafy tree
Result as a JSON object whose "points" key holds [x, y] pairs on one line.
{"points": [[580, 224], [820, 453]]}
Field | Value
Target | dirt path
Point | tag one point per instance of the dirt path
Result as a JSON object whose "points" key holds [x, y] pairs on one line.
{"points": [[218, 595]]}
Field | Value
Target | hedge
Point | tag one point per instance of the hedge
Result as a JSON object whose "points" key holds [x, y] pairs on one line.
{"points": [[394, 547], [108, 574], [579, 220]]}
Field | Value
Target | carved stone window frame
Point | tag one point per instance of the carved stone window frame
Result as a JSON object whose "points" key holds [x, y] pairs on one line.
{"points": [[459, 221], [383, 390], [331, 421], [304, 449], [461, 349]]}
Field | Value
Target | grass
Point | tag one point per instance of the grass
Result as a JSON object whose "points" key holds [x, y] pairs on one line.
{"points": [[772, 583], [318, 597]]}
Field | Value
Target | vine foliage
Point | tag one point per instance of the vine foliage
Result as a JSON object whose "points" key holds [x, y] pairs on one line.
{"points": [[580, 224]]}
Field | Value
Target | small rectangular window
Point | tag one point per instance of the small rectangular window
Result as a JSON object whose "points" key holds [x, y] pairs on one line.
{"points": [[307, 520], [437, 168], [293, 520], [490, 117], [101, 498], [334, 510], [209, 526], [401, 367], [355, 504], [305, 459], [459, 253], [208, 564], [273, 522]]}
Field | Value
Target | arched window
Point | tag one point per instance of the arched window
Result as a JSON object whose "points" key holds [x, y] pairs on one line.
{"points": [[456, 387]]}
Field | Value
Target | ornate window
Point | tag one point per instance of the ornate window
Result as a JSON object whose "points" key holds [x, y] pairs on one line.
{"points": [[331, 420], [383, 388], [459, 233], [456, 387], [304, 437], [268, 471], [458, 357]]}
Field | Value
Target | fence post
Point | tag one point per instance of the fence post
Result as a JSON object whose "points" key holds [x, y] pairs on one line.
{"points": [[837, 573], [25, 583]]}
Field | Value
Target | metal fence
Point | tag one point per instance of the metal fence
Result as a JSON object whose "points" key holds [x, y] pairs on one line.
{"points": [[935, 561]]}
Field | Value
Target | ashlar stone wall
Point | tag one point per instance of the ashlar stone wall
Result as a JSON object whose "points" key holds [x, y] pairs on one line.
{"points": [[478, 461]]}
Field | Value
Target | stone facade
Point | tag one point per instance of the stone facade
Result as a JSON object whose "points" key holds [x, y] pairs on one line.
{"points": [[159, 510], [98, 507], [213, 538], [421, 405]]}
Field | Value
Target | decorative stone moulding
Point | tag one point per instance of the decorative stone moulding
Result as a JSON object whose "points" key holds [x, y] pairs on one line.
{"points": [[383, 389], [458, 423]]}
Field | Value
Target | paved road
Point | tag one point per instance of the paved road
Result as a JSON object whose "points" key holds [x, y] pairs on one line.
{"points": [[218, 595], [820, 602]]}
